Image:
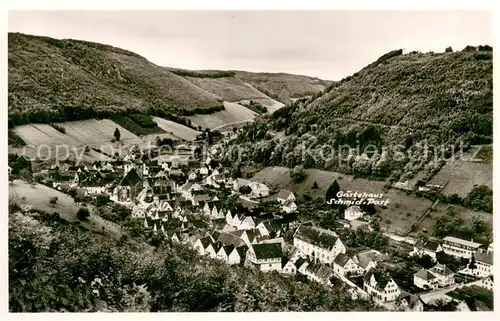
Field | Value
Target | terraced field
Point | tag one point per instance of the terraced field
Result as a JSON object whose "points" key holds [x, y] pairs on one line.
{"points": [[45, 142], [232, 114]]}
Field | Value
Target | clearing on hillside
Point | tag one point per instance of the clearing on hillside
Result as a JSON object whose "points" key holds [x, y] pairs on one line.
{"points": [[176, 129], [228, 89], [38, 197], [232, 114], [461, 174]]}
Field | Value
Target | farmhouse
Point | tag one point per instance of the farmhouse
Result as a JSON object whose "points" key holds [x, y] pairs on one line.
{"points": [[430, 248], [459, 248], [319, 245], [285, 195], [267, 257], [380, 286], [343, 264]]}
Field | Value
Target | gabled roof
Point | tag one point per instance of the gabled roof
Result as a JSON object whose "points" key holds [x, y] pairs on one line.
{"points": [[300, 261], [206, 241], [484, 257], [381, 277], [201, 198], [316, 237], [217, 246], [341, 259], [229, 239], [131, 179], [242, 250], [253, 234], [228, 249], [267, 251], [431, 245], [284, 194], [410, 298], [321, 271], [425, 275]]}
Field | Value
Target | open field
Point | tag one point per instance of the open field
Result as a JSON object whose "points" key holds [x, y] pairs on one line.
{"points": [[38, 197], [395, 217], [461, 174], [176, 129], [233, 113]]}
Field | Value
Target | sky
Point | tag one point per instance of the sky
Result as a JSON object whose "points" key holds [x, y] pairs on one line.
{"points": [[325, 44]]}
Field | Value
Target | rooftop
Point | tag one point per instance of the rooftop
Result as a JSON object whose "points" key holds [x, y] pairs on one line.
{"points": [[470, 243], [267, 250], [316, 237]]}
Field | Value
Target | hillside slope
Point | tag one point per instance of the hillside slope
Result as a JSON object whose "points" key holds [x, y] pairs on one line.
{"points": [[434, 96], [401, 115], [234, 85], [74, 79]]}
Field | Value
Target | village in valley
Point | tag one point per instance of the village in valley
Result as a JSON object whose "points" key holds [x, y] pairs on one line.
{"points": [[196, 201]]}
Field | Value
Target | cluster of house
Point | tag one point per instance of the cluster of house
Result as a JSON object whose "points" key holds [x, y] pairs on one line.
{"points": [[184, 200]]}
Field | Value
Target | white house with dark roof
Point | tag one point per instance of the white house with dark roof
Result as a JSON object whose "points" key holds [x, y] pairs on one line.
{"points": [[425, 279], [224, 253], [409, 302], [289, 206], [238, 255], [202, 244], [430, 248], [459, 247], [343, 264], [267, 257], [318, 272], [213, 248], [288, 267], [484, 264], [443, 274], [320, 245], [380, 286]]}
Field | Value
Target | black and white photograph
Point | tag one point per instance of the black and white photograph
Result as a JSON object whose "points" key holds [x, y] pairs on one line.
{"points": [[249, 161]]}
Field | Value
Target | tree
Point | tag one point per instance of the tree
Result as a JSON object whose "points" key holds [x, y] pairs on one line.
{"points": [[117, 134], [472, 264], [315, 185], [245, 189], [449, 49], [53, 201], [83, 213], [333, 190]]}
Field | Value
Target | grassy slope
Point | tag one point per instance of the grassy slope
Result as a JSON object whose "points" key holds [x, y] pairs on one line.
{"points": [[239, 85], [48, 74], [232, 114], [427, 94], [38, 197], [283, 87]]}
